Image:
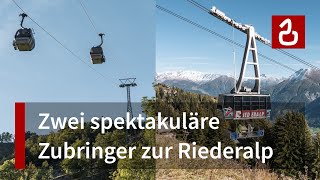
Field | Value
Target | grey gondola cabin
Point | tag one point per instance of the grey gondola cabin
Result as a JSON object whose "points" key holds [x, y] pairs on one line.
{"points": [[24, 39], [96, 53]]}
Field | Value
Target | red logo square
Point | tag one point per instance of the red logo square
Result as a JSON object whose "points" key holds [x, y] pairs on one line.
{"points": [[288, 32]]}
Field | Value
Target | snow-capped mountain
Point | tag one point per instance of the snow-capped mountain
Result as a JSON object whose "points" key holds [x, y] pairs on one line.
{"points": [[194, 76], [271, 80], [311, 75], [200, 77], [207, 83], [302, 86], [299, 75]]}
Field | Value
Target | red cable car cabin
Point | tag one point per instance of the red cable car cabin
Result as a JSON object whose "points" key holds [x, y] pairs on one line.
{"points": [[245, 106]]}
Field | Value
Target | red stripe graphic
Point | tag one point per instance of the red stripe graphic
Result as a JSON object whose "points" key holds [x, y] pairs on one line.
{"points": [[20, 124]]}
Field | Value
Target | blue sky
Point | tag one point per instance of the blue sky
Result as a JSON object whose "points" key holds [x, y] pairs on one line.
{"points": [[181, 46], [50, 74]]}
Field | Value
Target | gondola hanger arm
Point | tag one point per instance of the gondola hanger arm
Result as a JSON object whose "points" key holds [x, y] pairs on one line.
{"points": [[101, 37], [23, 15]]}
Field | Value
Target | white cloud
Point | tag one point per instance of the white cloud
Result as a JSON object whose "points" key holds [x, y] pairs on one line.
{"points": [[182, 62], [171, 68], [184, 58], [191, 58]]}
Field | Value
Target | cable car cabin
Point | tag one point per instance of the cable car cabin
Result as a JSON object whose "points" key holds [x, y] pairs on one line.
{"points": [[245, 106], [246, 134], [97, 56], [24, 40]]}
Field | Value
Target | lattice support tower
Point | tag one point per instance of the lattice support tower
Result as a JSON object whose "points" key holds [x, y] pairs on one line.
{"points": [[128, 83]]}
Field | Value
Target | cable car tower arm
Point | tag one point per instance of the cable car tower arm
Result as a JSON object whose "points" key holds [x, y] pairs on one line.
{"points": [[128, 83], [251, 47], [239, 26]]}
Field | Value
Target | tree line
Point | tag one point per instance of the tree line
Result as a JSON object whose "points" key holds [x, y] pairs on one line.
{"points": [[83, 168], [296, 151], [6, 137]]}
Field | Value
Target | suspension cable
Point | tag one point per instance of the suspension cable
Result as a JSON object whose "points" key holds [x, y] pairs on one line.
{"points": [[65, 47], [89, 18], [198, 5], [227, 39]]}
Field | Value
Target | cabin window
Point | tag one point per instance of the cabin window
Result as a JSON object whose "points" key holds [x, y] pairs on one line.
{"points": [[238, 103], [268, 103], [228, 101], [255, 102], [246, 103], [262, 103]]}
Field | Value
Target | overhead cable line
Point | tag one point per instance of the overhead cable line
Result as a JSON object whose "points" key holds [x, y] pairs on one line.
{"points": [[198, 5], [62, 45], [226, 39], [87, 14], [217, 34], [296, 58]]}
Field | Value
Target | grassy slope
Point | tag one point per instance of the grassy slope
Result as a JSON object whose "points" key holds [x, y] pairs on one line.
{"points": [[204, 169]]}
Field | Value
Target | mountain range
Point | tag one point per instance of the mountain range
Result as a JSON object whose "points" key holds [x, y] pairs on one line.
{"points": [[211, 84], [302, 86]]}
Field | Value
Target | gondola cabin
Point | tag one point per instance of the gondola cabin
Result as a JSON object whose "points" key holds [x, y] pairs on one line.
{"points": [[24, 40], [96, 52], [97, 56], [245, 106], [246, 134]]}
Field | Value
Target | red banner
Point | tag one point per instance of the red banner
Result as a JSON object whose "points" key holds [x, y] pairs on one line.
{"points": [[260, 113]]}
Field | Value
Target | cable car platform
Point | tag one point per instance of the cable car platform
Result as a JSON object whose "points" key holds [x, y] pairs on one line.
{"points": [[244, 135]]}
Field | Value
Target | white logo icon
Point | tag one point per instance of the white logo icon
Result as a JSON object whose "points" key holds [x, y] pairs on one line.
{"points": [[287, 32], [238, 114]]}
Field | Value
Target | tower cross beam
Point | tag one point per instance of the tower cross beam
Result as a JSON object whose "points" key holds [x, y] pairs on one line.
{"points": [[128, 83]]}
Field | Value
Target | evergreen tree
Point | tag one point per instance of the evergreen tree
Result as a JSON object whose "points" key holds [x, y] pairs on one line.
{"points": [[292, 144], [6, 137], [316, 163]]}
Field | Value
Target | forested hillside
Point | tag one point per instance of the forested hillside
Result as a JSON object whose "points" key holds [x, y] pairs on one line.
{"points": [[301, 87], [296, 152], [83, 168]]}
